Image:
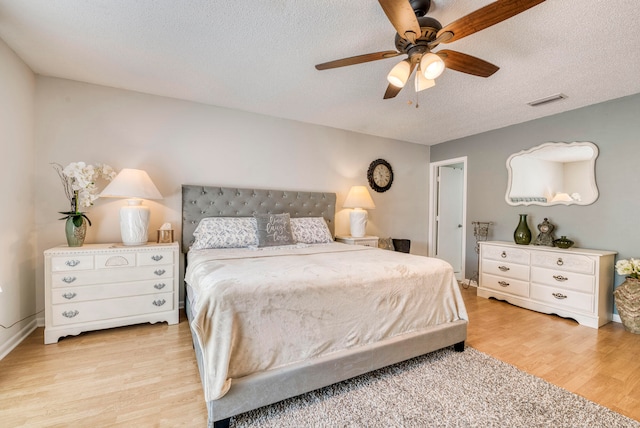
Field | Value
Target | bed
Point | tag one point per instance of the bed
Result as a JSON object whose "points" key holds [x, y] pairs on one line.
{"points": [[263, 336]]}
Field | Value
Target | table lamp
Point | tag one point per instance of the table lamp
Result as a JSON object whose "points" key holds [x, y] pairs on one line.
{"points": [[133, 185], [360, 200]]}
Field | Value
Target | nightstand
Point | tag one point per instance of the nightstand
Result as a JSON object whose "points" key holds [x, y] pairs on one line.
{"points": [[367, 241], [100, 286]]}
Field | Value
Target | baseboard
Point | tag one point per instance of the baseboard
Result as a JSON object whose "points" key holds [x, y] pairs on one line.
{"points": [[15, 340], [616, 318]]}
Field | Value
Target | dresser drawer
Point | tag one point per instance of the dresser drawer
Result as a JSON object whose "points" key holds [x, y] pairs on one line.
{"points": [[368, 243], [98, 310], [506, 285], [71, 263], [115, 260], [109, 291], [565, 262], [561, 298], [67, 279], [508, 270], [505, 254], [155, 258], [562, 279]]}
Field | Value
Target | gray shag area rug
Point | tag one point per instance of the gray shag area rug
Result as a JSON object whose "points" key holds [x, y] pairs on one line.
{"points": [[441, 389]]}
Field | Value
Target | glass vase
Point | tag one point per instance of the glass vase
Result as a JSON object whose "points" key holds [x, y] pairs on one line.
{"points": [[75, 234], [522, 234]]}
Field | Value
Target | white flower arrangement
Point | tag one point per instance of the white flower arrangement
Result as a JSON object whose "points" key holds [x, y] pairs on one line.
{"points": [[78, 180], [630, 268]]}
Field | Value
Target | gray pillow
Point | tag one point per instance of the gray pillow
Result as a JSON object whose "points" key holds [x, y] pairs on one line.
{"points": [[274, 229]]}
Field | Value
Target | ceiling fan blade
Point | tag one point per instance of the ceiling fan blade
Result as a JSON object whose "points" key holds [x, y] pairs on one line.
{"points": [[357, 59], [403, 18], [466, 63], [393, 90], [484, 17]]}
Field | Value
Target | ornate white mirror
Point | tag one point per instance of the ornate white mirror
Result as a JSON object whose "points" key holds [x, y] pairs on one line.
{"points": [[552, 174]]}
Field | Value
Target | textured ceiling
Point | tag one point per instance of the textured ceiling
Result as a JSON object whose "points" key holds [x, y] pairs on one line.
{"points": [[260, 56]]}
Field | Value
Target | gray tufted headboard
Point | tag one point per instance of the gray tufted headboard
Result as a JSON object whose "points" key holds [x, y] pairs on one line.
{"points": [[199, 202]]}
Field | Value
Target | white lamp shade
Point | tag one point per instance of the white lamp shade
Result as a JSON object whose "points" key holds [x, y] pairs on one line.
{"points": [[133, 184], [399, 74], [359, 199], [431, 65], [423, 83]]}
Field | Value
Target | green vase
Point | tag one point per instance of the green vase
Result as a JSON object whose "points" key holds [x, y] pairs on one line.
{"points": [[75, 234], [522, 234]]}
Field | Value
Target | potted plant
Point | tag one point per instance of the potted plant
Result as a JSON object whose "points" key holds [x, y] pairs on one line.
{"points": [[78, 180]]}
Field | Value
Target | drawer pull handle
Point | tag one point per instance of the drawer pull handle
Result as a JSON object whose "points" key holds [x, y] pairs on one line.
{"points": [[560, 278], [159, 302], [559, 262], [69, 296], [559, 296], [159, 272], [503, 283], [70, 314], [503, 268], [156, 258], [159, 286], [72, 263], [69, 279], [503, 255]]}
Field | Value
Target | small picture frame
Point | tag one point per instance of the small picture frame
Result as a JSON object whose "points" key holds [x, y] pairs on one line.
{"points": [[165, 236]]}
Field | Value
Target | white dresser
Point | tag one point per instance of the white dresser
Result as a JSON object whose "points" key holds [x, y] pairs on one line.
{"points": [[100, 286], [575, 283]]}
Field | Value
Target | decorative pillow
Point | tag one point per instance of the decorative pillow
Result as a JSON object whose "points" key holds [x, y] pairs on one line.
{"points": [[385, 244], [225, 232], [310, 230], [274, 229]]}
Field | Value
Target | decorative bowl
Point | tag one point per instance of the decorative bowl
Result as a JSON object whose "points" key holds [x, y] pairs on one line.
{"points": [[563, 242]]}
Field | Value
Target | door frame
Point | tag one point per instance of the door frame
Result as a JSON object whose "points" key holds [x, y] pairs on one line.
{"points": [[433, 205]]}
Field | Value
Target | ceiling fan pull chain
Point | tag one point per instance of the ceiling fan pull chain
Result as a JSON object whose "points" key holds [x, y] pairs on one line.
{"points": [[416, 84]]}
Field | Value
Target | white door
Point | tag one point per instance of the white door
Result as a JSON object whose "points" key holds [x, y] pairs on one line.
{"points": [[449, 216]]}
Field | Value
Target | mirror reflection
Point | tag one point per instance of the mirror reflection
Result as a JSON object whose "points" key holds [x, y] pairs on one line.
{"points": [[552, 174]]}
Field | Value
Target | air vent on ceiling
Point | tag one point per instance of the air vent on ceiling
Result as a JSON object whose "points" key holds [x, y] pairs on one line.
{"points": [[547, 100]]}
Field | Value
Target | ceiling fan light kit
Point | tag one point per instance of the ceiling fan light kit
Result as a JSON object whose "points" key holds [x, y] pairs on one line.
{"points": [[417, 35], [431, 65], [399, 74], [423, 83]]}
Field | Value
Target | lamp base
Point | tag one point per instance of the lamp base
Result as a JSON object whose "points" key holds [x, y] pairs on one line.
{"points": [[134, 223], [358, 222]]}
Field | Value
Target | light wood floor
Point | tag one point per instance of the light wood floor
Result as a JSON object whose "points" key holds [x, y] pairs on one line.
{"points": [[146, 375]]}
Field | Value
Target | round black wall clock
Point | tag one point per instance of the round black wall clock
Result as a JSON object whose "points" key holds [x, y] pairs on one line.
{"points": [[380, 175]]}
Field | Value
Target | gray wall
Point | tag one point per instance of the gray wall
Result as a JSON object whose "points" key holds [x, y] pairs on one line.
{"points": [[611, 223], [18, 309], [180, 142]]}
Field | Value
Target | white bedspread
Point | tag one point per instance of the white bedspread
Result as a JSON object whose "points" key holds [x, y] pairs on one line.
{"points": [[256, 310]]}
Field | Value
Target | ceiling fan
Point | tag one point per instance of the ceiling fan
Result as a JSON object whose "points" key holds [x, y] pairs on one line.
{"points": [[417, 35]]}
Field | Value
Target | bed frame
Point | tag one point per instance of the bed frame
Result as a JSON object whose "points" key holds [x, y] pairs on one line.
{"points": [[264, 388]]}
